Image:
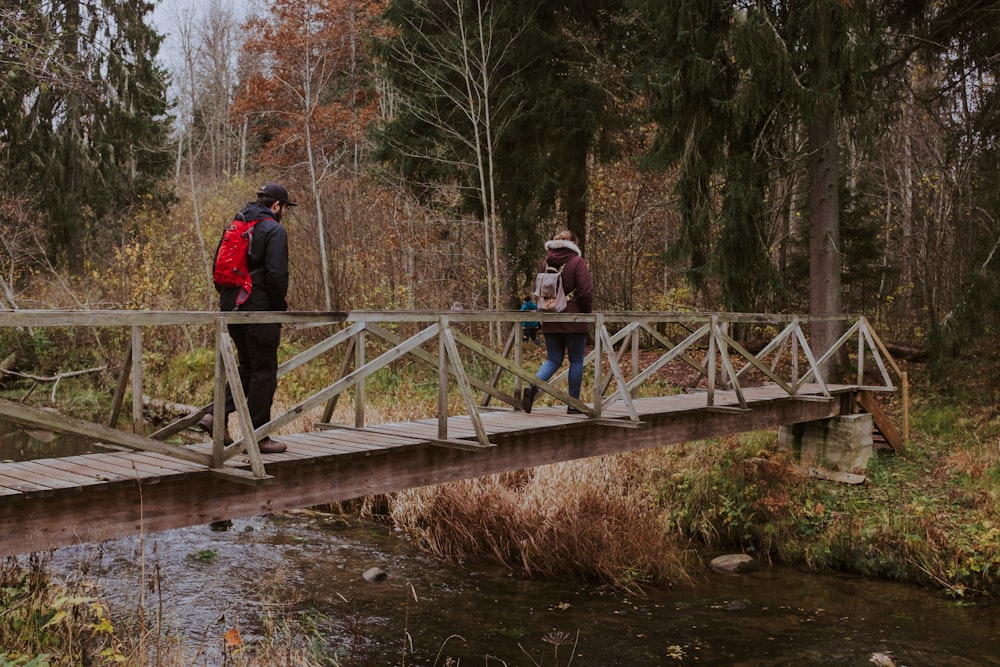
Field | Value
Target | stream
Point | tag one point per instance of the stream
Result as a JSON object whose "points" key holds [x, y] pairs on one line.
{"points": [[309, 566]]}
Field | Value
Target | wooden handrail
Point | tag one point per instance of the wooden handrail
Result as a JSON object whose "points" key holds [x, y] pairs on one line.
{"points": [[709, 347]]}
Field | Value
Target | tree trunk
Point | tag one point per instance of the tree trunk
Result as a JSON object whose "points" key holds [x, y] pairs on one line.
{"points": [[320, 221], [824, 236], [73, 146], [189, 65], [906, 249], [576, 195]]}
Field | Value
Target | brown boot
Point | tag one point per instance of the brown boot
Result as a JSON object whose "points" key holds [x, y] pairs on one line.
{"points": [[268, 446], [207, 423]]}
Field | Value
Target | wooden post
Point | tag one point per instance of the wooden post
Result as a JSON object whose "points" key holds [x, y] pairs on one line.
{"points": [[723, 347], [137, 419], [711, 359], [619, 377], [635, 359], [119, 400], [732, 379], [599, 334], [345, 363], [462, 380], [518, 359], [359, 386], [795, 352], [442, 379], [906, 406], [515, 335], [861, 354], [219, 395], [240, 401]]}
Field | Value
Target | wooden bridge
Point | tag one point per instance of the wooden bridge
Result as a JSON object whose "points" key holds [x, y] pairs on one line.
{"points": [[149, 482]]}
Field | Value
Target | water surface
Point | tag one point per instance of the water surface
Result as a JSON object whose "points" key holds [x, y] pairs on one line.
{"points": [[309, 566], [28, 444]]}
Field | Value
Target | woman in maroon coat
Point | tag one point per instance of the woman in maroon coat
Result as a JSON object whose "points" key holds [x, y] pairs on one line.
{"points": [[565, 338]]}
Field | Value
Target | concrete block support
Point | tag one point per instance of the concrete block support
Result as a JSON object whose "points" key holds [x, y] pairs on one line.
{"points": [[842, 443]]}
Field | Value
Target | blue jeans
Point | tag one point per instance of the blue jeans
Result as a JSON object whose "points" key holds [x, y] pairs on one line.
{"points": [[556, 346]]}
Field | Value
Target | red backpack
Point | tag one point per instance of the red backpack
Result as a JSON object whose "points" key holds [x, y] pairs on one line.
{"points": [[231, 258]]}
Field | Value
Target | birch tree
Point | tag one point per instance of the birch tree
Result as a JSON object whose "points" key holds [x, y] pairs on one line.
{"points": [[451, 66]]}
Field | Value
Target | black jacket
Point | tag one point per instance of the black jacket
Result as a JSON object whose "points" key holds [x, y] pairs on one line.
{"points": [[268, 264]]}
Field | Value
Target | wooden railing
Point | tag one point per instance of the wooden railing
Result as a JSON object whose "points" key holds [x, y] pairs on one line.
{"points": [[714, 346]]}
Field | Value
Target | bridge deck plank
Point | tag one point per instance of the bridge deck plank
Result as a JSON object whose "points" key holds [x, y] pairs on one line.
{"points": [[21, 487], [348, 442], [33, 473], [164, 460], [306, 445], [73, 472], [378, 437], [153, 467], [112, 471], [4, 491]]}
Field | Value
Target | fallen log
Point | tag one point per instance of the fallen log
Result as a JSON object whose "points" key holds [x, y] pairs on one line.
{"points": [[907, 352], [54, 379], [160, 410]]}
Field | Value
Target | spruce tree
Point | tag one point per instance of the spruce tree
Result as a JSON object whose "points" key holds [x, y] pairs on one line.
{"points": [[85, 117], [731, 85]]}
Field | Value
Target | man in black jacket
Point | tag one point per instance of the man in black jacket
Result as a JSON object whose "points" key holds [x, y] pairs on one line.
{"points": [[257, 344]]}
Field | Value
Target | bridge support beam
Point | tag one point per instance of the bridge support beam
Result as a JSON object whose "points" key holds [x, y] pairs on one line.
{"points": [[841, 444]]}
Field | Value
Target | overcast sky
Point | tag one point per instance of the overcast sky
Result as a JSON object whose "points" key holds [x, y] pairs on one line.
{"points": [[168, 13]]}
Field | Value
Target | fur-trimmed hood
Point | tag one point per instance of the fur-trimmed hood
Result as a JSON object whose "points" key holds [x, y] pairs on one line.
{"points": [[556, 244]]}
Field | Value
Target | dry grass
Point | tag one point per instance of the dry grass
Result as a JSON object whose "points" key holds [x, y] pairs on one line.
{"points": [[595, 519], [980, 454], [43, 623]]}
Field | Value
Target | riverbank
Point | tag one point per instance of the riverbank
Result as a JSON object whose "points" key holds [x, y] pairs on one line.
{"points": [[926, 516]]}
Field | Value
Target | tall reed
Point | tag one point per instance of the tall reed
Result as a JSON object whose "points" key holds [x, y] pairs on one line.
{"points": [[596, 519]]}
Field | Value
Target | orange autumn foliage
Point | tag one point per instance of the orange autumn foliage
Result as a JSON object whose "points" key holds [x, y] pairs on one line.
{"points": [[232, 638], [310, 85]]}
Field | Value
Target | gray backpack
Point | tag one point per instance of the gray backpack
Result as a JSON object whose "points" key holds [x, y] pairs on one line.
{"points": [[549, 292]]}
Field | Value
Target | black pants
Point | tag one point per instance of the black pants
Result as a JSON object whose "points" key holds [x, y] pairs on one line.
{"points": [[257, 353]]}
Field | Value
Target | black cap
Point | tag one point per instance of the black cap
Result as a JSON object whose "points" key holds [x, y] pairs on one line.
{"points": [[275, 192]]}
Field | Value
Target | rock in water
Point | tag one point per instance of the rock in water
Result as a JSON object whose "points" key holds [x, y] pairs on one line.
{"points": [[374, 574], [733, 564]]}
